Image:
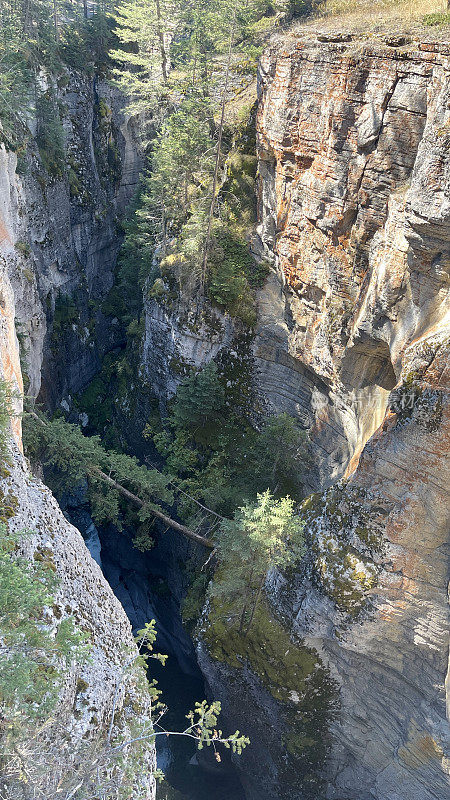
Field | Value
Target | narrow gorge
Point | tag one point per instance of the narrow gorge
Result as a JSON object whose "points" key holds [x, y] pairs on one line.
{"points": [[311, 361]]}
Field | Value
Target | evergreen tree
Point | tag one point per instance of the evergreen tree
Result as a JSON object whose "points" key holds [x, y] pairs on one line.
{"points": [[144, 29], [262, 535], [32, 651]]}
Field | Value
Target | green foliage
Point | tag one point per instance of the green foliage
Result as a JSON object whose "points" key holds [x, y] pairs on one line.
{"points": [[66, 313], [437, 19], [203, 720], [230, 262], [181, 167], [293, 674], [33, 39], [33, 650], [298, 8], [103, 395], [70, 458], [146, 637], [210, 443], [135, 263], [85, 44], [262, 535], [178, 201], [194, 601], [198, 403]]}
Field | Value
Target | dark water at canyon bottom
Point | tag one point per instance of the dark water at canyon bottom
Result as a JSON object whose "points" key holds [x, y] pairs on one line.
{"points": [[186, 780]]}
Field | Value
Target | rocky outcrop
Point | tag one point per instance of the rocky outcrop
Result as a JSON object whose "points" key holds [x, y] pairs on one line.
{"points": [[77, 731], [354, 215], [375, 605], [353, 150], [63, 225], [56, 243], [175, 340]]}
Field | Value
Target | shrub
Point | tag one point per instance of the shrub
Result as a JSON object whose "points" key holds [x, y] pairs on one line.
{"points": [[32, 648], [437, 19]]}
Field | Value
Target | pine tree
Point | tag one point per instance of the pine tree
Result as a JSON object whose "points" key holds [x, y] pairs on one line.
{"points": [[263, 535], [144, 29]]}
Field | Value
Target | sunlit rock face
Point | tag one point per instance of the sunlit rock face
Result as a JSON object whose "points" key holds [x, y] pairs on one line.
{"points": [[354, 146], [353, 207]]}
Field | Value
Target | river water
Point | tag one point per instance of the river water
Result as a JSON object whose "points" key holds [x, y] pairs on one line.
{"points": [[135, 579], [186, 780]]}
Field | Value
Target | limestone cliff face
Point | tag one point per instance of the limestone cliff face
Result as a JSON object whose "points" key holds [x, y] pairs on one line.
{"points": [[88, 699], [87, 695], [353, 149], [374, 603], [63, 228], [354, 213], [51, 242]]}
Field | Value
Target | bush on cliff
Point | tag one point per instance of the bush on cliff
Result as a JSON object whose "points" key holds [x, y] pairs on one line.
{"points": [[263, 535]]}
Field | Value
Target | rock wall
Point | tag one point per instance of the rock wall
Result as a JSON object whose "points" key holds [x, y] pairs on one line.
{"points": [[82, 717], [353, 151], [64, 227], [53, 242], [353, 140]]}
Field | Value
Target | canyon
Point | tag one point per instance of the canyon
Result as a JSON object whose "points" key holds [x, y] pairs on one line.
{"points": [[351, 339]]}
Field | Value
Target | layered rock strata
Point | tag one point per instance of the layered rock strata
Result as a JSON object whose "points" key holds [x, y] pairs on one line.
{"points": [[354, 214], [353, 207]]}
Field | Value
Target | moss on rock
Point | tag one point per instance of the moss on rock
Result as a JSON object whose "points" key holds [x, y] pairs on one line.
{"points": [[345, 540], [295, 677]]}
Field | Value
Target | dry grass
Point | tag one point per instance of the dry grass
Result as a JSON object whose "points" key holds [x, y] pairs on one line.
{"points": [[361, 16]]}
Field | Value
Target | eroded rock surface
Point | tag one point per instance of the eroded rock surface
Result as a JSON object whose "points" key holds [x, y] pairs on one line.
{"points": [[354, 215], [353, 145], [63, 228], [87, 698], [55, 242]]}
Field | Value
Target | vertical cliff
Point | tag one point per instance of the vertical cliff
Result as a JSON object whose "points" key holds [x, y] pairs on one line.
{"points": [[346, 699], [353, 167], [58, 239], [64, 225], [353, 143]]}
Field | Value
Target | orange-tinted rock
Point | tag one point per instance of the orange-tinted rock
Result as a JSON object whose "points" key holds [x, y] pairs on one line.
{"points": [[354, 149], [354, 142]]}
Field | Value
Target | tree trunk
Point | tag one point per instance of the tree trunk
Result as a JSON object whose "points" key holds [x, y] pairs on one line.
{"points": [[219, 145], [171, 523], [55, 19], [162, 44], [26, 17]]}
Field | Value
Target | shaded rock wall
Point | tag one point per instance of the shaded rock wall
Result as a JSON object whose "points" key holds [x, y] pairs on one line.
{"points": [[58, 241], [87, 694], [65, 236]]}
